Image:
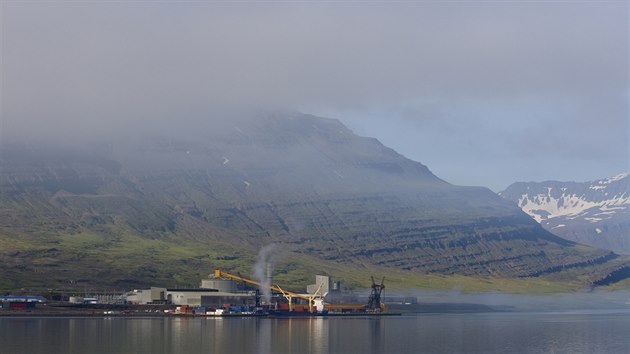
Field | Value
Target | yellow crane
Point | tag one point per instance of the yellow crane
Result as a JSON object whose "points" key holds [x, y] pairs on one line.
{"points": [[312, 299]]}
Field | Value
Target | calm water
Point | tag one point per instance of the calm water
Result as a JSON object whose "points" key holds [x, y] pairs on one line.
{"points": [[566, 332]]}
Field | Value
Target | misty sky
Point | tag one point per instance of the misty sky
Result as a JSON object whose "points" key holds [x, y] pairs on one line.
{"points": [[482, 92]]}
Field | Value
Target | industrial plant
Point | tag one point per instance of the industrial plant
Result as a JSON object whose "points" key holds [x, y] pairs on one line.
{"points": [[222, 294]]}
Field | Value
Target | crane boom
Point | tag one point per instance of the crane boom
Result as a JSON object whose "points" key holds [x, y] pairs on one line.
{"points": [[312, 299], [218, 273]]}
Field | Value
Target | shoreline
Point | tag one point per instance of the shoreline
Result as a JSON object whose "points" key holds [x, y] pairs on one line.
{"points": [[153, 311]]}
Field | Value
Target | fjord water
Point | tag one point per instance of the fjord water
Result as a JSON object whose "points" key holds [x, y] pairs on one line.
{"points": [[517, 332]]}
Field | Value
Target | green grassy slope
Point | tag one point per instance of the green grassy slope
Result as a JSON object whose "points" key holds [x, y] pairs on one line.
{"points": [[165, 211], [120, 260]]}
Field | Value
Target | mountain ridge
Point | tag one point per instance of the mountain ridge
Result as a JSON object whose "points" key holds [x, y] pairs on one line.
{"points": [[304, 182], [594, 212]]}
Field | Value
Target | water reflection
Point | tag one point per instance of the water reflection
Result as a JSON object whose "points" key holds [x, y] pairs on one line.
{"points": [[376, 343], [263, 337], [455, 333], [319, 335]]}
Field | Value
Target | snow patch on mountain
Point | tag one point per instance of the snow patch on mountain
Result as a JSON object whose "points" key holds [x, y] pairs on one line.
{"points": [[596, 212], [592, 201], [616, 178], [542, 207]]}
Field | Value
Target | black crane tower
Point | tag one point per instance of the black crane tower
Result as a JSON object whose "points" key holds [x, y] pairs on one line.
{"points": [[374, 301]]}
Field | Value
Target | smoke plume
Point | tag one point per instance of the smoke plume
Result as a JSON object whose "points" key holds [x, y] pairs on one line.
{"points": [[263, 269]]}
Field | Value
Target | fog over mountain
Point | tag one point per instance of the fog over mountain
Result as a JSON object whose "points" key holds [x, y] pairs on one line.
{"points": [[484, 92], [139, 140], [323, 194]]}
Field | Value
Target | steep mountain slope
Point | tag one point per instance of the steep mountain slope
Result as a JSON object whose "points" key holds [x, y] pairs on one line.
{"points": [[158, 208], [595, 213]]}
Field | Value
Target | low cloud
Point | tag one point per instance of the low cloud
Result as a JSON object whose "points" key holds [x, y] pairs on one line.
{"points": [[75, 68]]}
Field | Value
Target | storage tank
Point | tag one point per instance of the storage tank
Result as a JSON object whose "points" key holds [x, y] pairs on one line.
{"points": [[223, 285]]}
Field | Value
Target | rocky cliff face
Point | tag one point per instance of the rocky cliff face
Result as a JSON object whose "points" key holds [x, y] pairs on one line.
{"points": [[595, 213], [305, 182]]}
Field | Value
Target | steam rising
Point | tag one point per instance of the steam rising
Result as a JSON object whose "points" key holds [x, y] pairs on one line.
{"points": [[263, 269]]}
